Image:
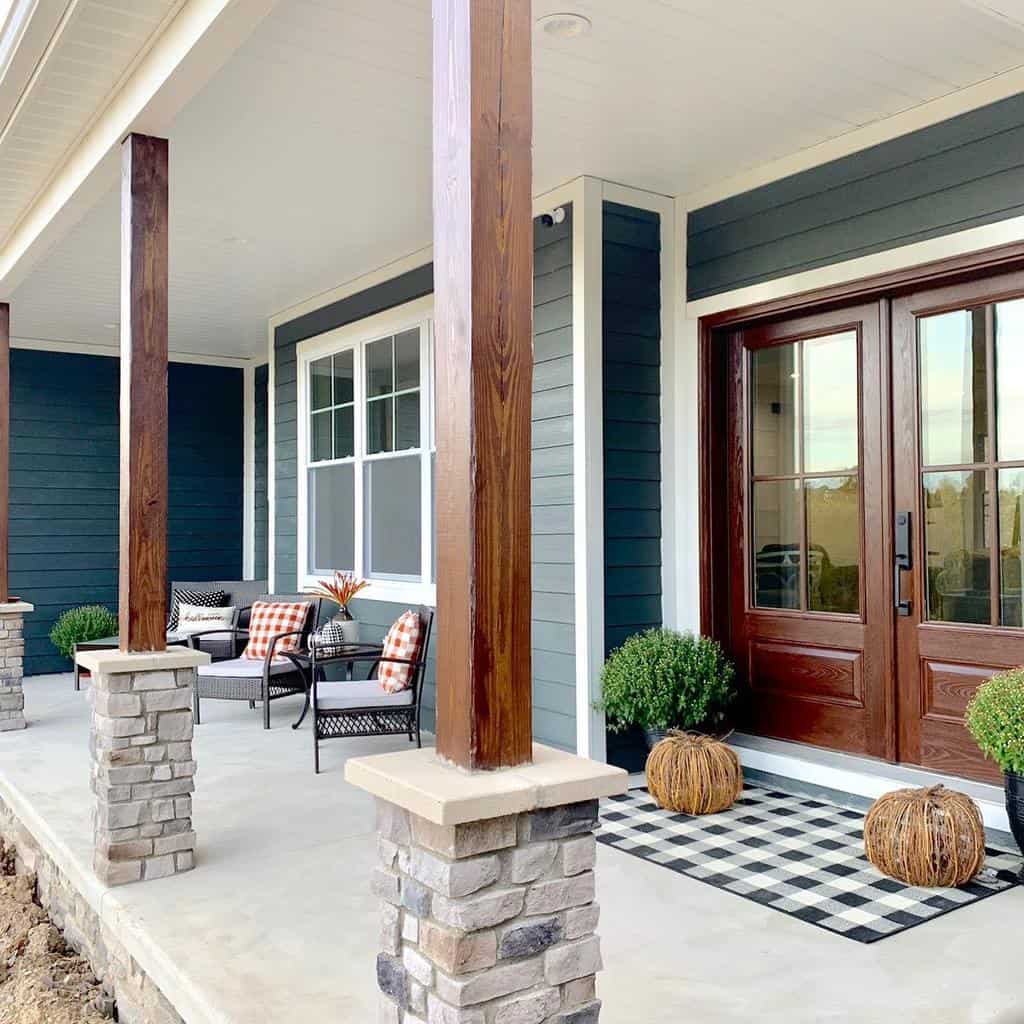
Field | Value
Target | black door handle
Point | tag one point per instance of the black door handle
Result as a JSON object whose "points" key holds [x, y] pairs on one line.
{"points": [[903, 558]]}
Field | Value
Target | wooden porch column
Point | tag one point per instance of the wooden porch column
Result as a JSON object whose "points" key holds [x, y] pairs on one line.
{"points": [[143, 565], [5, 448], [483, 283]]}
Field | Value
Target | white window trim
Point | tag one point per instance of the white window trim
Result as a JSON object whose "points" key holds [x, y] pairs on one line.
{"points": [[418, 313]]}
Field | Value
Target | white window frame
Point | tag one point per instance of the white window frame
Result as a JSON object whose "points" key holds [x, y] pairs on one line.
{"points": [[355, 336]]}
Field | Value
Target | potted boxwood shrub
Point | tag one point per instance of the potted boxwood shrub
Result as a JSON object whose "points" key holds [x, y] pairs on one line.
{"points": [[662, 679], [995, 717], [77, 625]]}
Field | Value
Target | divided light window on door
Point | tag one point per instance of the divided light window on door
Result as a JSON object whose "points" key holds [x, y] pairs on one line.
{"points": [[971, 372], [804, 475]]}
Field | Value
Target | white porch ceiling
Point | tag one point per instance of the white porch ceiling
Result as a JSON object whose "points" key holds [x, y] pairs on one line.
{"points": [[305, 161]]}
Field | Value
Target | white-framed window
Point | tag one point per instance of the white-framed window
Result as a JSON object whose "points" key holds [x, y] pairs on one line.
{"points": [[366, 453]]}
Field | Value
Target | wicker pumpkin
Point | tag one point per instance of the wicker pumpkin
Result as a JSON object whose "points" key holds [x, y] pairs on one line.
{"points": [[694, 774], [927, 837]]}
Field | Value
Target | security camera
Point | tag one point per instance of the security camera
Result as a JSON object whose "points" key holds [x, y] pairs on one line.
{"points": [[556, 216]]}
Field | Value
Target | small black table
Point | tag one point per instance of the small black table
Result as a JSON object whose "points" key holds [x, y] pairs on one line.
{"points": [[311, 665]]}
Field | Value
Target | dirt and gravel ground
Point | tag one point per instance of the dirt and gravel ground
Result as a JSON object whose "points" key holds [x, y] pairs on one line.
{"points": [[42, 981]]}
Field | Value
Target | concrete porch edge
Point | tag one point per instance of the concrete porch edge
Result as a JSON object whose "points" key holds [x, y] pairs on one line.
{"points": [[161, 969]]}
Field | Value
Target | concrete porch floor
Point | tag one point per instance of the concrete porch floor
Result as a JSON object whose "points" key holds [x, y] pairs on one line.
{"points": [[277, 924]]}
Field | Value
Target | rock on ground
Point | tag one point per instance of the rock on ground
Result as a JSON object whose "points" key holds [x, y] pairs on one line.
{"points": [[42, 981]]}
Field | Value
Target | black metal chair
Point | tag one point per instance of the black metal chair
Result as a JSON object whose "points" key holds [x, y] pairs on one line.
{"points": [[364, 708], [252, 680]]}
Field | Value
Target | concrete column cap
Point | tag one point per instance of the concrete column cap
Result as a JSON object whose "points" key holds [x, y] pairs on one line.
{"points": [[16, 607], [113, 662], [421, 782]]}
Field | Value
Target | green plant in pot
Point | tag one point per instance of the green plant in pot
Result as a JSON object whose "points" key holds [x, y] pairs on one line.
{"points": [[662, 679], [78, 625], [995, 717]]}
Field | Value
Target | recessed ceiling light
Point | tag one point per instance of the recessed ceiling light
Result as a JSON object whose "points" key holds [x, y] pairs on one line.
{"points": [[565, 25]]}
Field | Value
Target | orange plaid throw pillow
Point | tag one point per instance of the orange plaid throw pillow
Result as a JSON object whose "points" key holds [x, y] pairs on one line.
{"points": [[403, 641], [269, 619]]}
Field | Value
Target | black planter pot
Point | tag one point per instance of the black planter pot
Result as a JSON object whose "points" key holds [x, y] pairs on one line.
{"points": [[1015, 806], [654, 736]]}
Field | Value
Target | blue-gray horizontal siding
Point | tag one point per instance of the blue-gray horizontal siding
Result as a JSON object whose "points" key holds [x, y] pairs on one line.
{"points": [[554, 603], [554, 663], [960, 173], [631, 313], [261, 506], [64, 484]]}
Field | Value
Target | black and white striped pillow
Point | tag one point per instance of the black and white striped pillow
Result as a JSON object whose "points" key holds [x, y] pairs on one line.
{"points": [[209, 599]]}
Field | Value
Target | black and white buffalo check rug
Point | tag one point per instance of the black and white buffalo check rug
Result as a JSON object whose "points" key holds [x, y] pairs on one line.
{"points": [[802, 856]]}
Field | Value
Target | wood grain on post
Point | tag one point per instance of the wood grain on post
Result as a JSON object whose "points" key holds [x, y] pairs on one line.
{"points": [[483, 274], [143, 549]]}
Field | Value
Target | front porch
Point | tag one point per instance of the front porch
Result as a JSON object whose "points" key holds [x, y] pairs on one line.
{"points": [[280, 923]]}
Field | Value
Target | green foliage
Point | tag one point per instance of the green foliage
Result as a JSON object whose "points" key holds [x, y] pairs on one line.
{"points": [[663, 679], [995, 717], [76, 625]]}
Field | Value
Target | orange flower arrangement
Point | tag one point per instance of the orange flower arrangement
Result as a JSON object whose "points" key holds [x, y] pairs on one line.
{"points": [[341, 589]]}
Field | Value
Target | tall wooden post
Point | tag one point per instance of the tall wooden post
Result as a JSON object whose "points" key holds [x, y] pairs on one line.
{"points": [[5, 449], [483, 282], [143, 575]]}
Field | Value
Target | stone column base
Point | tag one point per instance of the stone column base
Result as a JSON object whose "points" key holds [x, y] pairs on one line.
{"points": [[486, 883], [12, 664], [142, 765]]}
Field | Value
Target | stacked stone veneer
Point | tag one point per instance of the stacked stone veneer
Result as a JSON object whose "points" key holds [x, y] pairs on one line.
{"points": [[12, 661], [142, 774], [491, 922]]}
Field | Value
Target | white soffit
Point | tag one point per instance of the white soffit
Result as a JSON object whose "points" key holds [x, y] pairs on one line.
{"points": [[305, 160]]}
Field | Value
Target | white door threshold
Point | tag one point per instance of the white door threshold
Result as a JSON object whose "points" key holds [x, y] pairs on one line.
{"points": [[863, 777]]}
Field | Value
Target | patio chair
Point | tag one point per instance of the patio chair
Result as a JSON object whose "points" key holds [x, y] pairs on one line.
{"points": [[365, 708], [250, 679]]}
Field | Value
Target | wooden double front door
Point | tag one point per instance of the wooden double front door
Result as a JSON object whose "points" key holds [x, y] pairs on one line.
{"points": [[875, 487]]}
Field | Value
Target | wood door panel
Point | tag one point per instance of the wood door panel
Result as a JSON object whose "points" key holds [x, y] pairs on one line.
{"points": [[799, 670], [946, 746], [941, 664], [820, 677], [947, 689]]}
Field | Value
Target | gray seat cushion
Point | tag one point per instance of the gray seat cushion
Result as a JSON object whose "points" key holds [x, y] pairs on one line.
{"points": [[243, 668], [339, 696]]}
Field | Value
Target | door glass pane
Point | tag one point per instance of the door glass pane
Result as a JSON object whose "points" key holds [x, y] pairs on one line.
{"points": [[407, 360], [1010, 380], [833, 544], [379, 425], [954, 388], [956, 543], [775, 415], [776, 538], [379, 377], [331, 518], [320, 383], [320, 436], [1011, 509], [392, 519], [343, 377], [830, 403]]}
